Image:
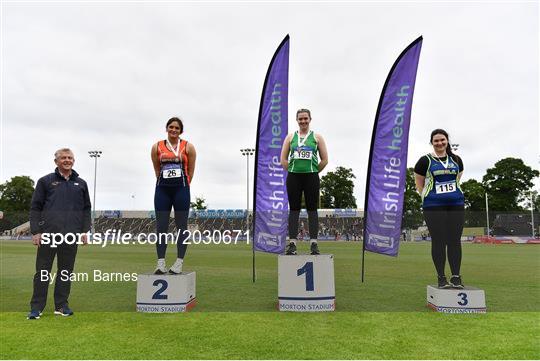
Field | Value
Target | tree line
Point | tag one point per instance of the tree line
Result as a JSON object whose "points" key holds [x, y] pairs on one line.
{"points": [[508, 184]]}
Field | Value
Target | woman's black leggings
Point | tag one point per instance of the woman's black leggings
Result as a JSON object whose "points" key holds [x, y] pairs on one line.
{"points": [[309, 184], [164, 199], [445, 225]]}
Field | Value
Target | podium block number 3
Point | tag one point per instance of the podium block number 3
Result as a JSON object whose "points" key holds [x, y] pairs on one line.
{"points": [[308, 270], [158, 295], [464, 301]]}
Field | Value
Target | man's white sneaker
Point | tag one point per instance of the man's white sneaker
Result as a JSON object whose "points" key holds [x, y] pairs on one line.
{"points": [[160, 268], [176, 268]]}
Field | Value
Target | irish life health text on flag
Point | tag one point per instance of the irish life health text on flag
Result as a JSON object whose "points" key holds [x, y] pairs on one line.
{"points": [[270, 202], [387, 169]]}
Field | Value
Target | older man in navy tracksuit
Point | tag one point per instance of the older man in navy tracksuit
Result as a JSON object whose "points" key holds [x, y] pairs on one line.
{"points": [[61, 205]]}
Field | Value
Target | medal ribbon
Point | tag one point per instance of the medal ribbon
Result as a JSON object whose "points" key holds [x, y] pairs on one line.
{"points": [[174, 150]]}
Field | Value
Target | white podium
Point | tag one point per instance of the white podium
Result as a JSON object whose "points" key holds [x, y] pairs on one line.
{"points": [[306, 283], [166, 293], [451, 300]]}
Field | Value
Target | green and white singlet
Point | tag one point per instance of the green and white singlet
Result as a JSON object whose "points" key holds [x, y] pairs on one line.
{"points": [[304, 154]]}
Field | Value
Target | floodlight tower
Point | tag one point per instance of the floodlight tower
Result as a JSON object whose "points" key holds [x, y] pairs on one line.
{"points": [[247, 152], [94, 154]]}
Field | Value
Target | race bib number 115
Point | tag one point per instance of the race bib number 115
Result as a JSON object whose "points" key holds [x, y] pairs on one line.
{"points": [[441, 188]]}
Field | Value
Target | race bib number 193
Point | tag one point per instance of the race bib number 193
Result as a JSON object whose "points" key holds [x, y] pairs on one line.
{"points": [[302, 153]]}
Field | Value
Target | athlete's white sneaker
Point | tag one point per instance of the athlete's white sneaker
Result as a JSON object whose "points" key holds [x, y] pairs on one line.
{"points": [[176, 268], [160, 268]]}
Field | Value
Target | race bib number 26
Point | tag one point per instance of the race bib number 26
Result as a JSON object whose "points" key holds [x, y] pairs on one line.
{"points": [[172, 171]]}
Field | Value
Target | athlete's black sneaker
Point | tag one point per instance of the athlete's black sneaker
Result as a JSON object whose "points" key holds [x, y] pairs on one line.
{"points": [[456, 282], [443, 282], [315, 249], [291, 249]]}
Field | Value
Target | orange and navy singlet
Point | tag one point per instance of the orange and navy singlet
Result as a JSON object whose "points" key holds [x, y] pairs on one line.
{"points": [[173, 169]]}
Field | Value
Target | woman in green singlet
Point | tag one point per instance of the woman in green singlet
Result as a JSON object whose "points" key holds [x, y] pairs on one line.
{"points": [[303, 155]]}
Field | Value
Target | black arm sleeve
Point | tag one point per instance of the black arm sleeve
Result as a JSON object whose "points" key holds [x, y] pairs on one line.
{"points": [[36, 207], [458, 160], [421, 166], [87, 210]]}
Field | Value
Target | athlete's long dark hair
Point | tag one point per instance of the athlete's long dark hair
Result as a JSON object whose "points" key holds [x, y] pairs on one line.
{"points": [[448, 147]]}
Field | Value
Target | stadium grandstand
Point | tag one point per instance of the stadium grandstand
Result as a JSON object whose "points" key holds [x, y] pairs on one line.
{"points": [[334, 224], [514, 224]]}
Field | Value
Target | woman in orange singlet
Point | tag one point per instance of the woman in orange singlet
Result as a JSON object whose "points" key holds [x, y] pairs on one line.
{"points": [[174, 165]]}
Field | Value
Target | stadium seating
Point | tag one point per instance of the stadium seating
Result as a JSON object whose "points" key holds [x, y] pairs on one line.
{"points": [[330, 228], [514, 224]]}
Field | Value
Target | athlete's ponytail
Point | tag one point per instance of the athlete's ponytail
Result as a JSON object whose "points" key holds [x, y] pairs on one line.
{"points": [[448, 146]]}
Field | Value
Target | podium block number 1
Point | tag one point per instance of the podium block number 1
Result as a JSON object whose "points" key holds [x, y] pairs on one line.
{"points": [[308, 270], [158, 295]]}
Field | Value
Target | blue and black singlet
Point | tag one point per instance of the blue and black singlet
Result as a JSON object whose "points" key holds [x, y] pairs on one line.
{"points": [[441, 187]]}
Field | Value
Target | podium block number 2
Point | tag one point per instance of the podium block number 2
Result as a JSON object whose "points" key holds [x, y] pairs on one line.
{"points": [[308, 270], [158, 295]]}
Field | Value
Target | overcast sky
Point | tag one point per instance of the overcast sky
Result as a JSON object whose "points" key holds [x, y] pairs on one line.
{"points": [[108, 76]]}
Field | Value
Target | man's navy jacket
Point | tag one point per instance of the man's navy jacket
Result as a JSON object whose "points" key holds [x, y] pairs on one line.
{"points": [[60, 205]]}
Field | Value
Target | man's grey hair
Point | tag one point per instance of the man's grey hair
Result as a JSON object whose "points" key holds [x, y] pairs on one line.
{"points": [[62, 150]]}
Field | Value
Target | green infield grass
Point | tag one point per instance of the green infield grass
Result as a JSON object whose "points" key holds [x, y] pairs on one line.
{"points": [[385, 317]]}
